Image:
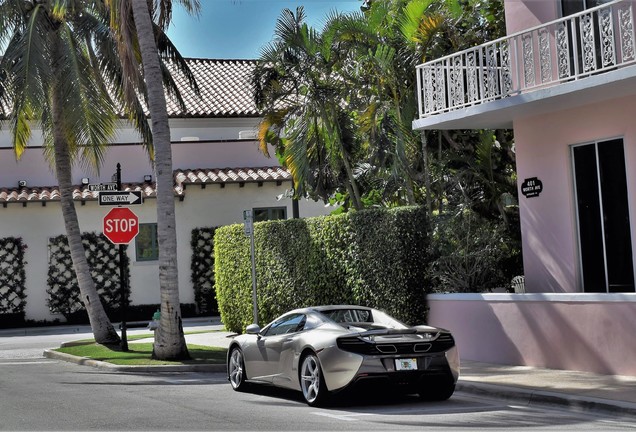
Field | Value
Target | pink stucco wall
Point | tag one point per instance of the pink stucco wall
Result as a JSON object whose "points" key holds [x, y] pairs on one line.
{"points": [[593, 336], [548, 222], [525, 14]]}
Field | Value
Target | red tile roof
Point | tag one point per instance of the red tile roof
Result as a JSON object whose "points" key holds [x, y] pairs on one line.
{"points": [[182, 179]]}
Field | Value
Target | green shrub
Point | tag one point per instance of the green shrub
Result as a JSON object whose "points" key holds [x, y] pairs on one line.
{"points": [[472, 254], [373, 257]]}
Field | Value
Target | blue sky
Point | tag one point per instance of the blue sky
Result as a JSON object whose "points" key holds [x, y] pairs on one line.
{"points": [[237, 29]]}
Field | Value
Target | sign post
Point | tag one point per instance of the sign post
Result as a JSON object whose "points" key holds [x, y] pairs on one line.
{"points": [[120, 226], [249, 230]]}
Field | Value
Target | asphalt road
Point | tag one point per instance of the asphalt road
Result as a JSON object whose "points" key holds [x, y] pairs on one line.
{"points": [[44, 394]]}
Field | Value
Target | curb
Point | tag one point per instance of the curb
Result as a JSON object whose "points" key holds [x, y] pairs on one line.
{"points": [[531, 397], [85, 361]]}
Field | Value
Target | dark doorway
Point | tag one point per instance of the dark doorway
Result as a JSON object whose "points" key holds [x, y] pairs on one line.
{"points": [[603, 217]]}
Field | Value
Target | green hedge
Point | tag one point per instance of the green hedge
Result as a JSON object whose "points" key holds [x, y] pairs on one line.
{"points": [[372, 257]]}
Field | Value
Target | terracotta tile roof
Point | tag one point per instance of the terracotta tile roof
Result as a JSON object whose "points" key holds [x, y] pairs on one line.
{"points": [[225, 90], [182, 179]]}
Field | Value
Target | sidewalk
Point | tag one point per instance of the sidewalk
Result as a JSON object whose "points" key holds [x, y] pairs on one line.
{"points": [[518, 384], [528, 385]]}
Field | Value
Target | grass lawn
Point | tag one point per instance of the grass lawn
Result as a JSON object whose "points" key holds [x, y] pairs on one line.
{"points": [[139, 354]]}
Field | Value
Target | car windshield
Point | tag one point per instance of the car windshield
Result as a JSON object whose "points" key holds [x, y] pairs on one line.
{"points": [[363, 318]]}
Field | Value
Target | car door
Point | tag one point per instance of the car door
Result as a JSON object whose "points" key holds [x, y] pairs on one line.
{"points": [[274, 343]]}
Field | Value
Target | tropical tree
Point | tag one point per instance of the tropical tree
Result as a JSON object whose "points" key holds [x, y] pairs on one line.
{"points": [[49, 78], [307, 119], [140, 41]]}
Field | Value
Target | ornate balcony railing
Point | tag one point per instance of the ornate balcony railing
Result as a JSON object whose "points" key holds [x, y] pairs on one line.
{"points": [[577, 46]]}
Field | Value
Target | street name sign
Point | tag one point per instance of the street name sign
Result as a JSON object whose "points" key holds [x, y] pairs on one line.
{"points": [[248, 226], [99, 187], [121, 225], [108, 198]]}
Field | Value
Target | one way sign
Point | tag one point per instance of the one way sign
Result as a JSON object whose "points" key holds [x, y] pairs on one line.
{"points": [[109, 198]]}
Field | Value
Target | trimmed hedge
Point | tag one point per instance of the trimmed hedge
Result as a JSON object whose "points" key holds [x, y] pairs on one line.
{"points": [[373, 257]]}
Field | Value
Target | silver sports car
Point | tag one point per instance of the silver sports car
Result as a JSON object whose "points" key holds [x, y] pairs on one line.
{"points": [[323, 350]]}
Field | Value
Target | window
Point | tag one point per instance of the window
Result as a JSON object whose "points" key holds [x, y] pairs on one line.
{"points": [[570, 7], [605, 247], [146, 245], [269, 213], [580, 34], [287, 324]]}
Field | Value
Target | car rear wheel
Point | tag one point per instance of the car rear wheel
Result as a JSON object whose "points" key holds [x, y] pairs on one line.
{"points": [[312, 381], [437, 389], [236, 370]]}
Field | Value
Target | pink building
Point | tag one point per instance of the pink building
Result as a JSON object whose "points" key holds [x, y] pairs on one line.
{"points": [[564, 79]]}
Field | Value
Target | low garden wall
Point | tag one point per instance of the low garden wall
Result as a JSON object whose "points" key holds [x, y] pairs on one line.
{"points": [[586, 332]]}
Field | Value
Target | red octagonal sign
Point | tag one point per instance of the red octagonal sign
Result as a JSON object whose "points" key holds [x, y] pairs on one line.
{"points": [[121, 225]]}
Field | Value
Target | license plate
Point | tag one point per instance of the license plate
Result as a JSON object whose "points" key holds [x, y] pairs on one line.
{"points": [[406, 364]]}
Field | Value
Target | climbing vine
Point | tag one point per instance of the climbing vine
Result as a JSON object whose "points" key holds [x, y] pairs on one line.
{"points": [[202, 270], [12, 275], [103, 260]]}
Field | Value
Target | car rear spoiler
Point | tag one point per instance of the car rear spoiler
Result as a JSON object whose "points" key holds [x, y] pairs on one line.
{"points": [[386, 332]]}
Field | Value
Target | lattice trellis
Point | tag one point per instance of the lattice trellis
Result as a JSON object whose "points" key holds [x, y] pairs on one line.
{"points": [[202, 269], [103, 259], [12, 275]]}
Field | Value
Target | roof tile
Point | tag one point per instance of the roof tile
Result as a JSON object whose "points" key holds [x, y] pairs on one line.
{"points": [[182, 178]]}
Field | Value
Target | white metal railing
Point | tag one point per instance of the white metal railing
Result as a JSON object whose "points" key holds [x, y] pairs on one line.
{"points": [[571, 48]]}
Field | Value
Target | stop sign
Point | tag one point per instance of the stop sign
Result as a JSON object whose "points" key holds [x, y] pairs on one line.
{"points": [[121, 225]]}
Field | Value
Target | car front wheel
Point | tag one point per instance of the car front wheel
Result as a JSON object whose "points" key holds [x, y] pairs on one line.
{"points": [[312, 381], [236, 370]]}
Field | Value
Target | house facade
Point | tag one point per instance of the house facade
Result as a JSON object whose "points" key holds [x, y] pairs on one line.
{"points": [[218, 169], [564, 79]]}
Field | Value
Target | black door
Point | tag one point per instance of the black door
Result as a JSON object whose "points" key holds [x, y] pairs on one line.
{"points": [[603, 217]]}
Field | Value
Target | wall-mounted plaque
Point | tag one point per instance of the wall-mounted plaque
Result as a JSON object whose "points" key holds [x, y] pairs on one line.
{"points": [[531, 187]]}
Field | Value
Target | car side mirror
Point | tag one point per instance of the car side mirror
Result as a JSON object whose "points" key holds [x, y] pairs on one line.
{"points": [[253, 329]]}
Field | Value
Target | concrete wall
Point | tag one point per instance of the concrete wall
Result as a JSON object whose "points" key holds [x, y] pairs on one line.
{"points": [[525, 14], [586, 332]]}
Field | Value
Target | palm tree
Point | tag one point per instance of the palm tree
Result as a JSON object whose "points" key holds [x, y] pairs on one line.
{"points": [[384, 43], [49, 78], [142, 33], [306, 116]]}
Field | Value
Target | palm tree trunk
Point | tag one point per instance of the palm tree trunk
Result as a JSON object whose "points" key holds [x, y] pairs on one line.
{"points": [[103, 329], [427, 174], [169, 339], [355, 192]]}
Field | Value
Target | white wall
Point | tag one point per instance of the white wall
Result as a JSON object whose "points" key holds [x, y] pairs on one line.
{"points": [[209, 207], [209, 152]]}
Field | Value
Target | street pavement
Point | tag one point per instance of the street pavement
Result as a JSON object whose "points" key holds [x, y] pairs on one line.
{"points": [[522, 385]]}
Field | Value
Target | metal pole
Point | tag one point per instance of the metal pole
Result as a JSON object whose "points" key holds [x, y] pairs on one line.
{"points": [[122, 280], [254, 299]]}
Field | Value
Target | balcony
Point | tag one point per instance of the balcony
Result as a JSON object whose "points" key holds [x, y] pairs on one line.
{"points": [[580, 59]]}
